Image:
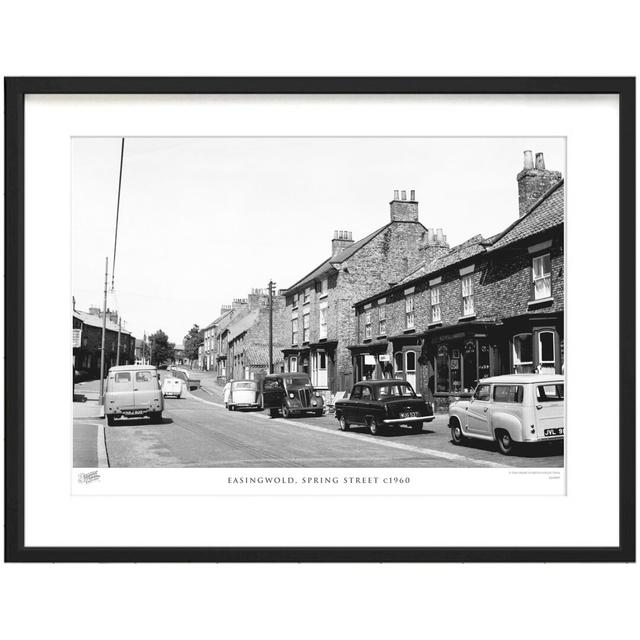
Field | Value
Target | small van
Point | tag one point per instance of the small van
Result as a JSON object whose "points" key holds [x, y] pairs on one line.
{"points": [[290, 394], [133, 391], [511, 410], [172, 387]]}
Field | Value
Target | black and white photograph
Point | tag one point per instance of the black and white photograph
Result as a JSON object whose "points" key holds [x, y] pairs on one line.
{"points": [[318, 302]]}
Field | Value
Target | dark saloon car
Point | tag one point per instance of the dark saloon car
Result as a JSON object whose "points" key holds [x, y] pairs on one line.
{"points": [[379, 404], [290, 394]]}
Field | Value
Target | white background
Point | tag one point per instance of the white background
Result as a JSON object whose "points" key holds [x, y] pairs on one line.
{"points": [[329, 39]]}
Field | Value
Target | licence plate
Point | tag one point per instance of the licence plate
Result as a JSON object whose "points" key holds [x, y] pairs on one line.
{"points": [[409, 414], [554, 432], [136, 412]]}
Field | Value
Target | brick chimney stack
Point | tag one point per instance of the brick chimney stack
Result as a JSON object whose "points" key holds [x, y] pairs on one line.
{"points": [[433, 246], [341, 240], [403, 210], [534, 181]]}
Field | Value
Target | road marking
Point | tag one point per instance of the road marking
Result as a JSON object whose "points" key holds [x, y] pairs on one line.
{"points": [[453, 457]]}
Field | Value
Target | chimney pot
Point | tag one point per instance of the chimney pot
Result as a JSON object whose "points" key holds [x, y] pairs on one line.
{"points": [[528, 160], [403, 195], [540, 161], [395, 195], [413, 194]]}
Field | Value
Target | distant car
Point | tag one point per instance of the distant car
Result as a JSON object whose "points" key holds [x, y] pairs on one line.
{"points": [[243, 394], [511, 410], [133, 391], [172, 387], [290, 394], [380, 404]]}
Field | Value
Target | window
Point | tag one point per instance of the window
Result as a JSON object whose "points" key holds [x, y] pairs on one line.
{"points": [[550, 393], [467, 295], [402, 390], [366, 393], [323, 319], [483, 392], [523, 353], [143, 376], [542, 277], [367, 324], [294, 330], [356, 392], [305, 327], [399, 360], [508, 393], [435, 305], [123, 377], [324, 286], [382, 320], [409, 315], [296, 300], [293, 364], [546, 349], [307, 295]]}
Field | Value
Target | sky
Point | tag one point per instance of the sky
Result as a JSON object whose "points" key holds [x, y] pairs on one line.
{"points": [[205, 220]]}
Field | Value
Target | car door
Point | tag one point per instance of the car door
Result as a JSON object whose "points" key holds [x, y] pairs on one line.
{"points": [[120, 390], [367, 404], [351, 410], [478, 413], [145, 388], [272, 393]]}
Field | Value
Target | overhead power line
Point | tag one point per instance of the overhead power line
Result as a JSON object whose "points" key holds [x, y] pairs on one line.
{"points": [[115, 239]]}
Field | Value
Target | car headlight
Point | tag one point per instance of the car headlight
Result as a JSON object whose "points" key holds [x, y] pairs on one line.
{"points": [[291, 395]]}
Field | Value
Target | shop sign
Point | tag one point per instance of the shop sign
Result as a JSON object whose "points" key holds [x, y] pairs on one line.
{"points": [[384, 357], [369, 359], [77, 338]]}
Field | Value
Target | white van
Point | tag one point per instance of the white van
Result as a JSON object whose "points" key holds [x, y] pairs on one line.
{"points": [[172, 387], [511, 410], [133, 391]]}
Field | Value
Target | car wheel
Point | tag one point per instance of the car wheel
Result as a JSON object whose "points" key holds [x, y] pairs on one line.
{"points": [[505, 443], [375, 427], [343, 424], [456, 432], [232, 407], [416, 427], [156, 417], [286, 412], [111, 419]]}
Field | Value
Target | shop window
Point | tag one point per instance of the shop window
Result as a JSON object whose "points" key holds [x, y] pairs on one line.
{"points": [[436, 315], [409, 314], [323, 319], [367, 325], [523, 353], [442, 369], [382, 320], [467, 295], [469, 365], [541, 268]]}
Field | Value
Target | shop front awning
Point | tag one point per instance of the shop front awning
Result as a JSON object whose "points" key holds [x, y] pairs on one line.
{"points": [[374, 345], [460, 330]]}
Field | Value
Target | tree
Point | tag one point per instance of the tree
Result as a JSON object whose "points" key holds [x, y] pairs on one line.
{"points": [[162, 351], [192, 341]]}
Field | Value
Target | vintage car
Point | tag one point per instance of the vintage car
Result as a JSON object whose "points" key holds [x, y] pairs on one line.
{"points": [[380, 404], [511, 410], [290, 394], [133, 391], [242, 394]]}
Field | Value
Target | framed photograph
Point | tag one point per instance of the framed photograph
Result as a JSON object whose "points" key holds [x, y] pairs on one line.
{"points": [[320, 319]]}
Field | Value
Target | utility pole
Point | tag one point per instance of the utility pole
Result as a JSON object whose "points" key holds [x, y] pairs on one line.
{"points": [[271, 285], [118, 352], [104, 328]]}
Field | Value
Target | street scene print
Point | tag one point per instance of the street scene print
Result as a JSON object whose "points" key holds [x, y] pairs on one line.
{"points": [[318, 302]]}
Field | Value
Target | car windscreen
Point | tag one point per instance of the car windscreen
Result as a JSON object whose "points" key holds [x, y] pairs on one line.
{"points": [[398, 390], [243, 385], [297, 383]]}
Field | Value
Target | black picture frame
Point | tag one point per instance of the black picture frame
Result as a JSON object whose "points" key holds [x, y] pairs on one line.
{"points": [[15, 91]]}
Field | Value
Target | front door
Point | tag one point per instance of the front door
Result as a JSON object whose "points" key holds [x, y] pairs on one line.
{"points": [[478, 411]]}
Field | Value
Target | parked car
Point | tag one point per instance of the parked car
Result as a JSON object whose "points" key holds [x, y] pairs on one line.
{"points": [[380, 404], [133, 391], [242, 394], [511, 410], [172, 387], [290, 394]]}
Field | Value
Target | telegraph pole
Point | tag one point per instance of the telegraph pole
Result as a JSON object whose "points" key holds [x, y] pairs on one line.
{"points": [[271, 285], [104, 328]]}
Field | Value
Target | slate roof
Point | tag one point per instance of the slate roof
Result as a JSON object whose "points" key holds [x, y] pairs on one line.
{"points": [[547, 213], [459, 253], [258, 354], [96, 321], [242, 324], [218, 319], [341, 256]]}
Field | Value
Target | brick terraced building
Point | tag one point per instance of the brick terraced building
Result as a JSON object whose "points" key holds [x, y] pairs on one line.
{"points": [[319, 313], [486, 307]]}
